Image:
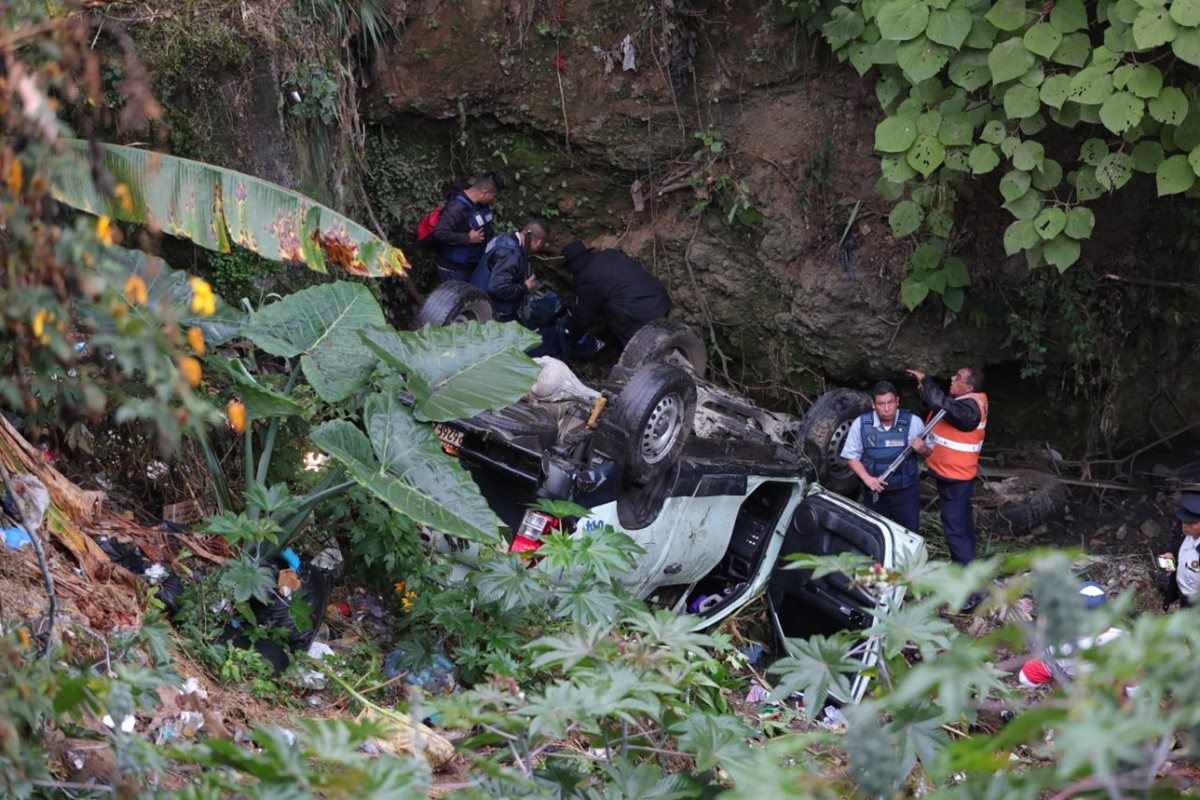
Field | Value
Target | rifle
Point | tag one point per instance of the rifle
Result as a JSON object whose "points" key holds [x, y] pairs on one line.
{"points": [[898, 460]]}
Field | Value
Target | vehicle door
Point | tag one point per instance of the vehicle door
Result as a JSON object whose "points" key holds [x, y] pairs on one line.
{"points": [[801, 606]]}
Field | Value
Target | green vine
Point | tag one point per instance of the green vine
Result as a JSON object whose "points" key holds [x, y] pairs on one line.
{"points": [[970, 87]]}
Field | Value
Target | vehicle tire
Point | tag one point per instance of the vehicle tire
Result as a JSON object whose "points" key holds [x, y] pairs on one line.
{"points": [[523, 420], [654, 412], [824, 433], [668, 341], [452, 302], [1020, 503]]}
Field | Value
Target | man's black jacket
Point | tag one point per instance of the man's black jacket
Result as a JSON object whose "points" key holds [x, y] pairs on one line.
{"points": [[612, 286]]}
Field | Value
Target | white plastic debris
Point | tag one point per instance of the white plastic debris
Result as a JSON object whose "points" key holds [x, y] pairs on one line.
{"points": [[157, 470], [155, 573], [330, 559], [628, 57], [191, 721], [192, 686], [288, 736], [128, 724]]}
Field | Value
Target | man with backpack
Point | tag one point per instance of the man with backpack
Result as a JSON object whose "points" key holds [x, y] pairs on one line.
{"points": [[504, 271], [460, 230]]}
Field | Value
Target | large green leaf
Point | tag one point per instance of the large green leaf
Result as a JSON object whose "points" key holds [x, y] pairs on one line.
{"points": [[895, 134], [213, 207], [321, 324], [402, 464], [457, 371], [901, 20], [1174, 175], [1009, 60]]}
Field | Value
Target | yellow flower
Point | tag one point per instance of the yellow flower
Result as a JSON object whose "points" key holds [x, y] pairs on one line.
{"points": [[196, 340], [399, 587], [104, 230], [16, 177], [235, 412], [203, 300], [135, 290], [124, 197], [191, 371], [39, 322], [407, 600]]}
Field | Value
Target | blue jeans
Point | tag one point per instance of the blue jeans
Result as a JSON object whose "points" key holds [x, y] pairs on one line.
{"points": [[899, 505], [958, 523]]}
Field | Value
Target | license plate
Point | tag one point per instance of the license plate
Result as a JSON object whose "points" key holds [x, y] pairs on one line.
{"points": [[452, 437]]}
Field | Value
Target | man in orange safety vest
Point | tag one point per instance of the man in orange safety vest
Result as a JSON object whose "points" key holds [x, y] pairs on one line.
{"points": [[951, 452]]}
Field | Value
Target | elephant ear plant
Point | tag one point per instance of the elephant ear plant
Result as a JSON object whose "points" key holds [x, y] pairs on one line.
{"points": [[334, 338]]}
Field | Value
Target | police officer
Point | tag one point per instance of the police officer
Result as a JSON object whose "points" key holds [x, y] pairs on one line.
{"points": [[873, 442], [1186, 563], [465, 227]]}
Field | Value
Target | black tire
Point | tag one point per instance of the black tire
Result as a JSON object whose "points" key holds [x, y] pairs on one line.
{"points": [[1020, 503], [668, 341], [824, 432], [654, 412], [523, 420], [454, 301]]}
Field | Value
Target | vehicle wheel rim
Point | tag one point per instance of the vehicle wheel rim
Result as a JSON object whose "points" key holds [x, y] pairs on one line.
{"points": [[464, 316], [661, 429], [833, 454]]}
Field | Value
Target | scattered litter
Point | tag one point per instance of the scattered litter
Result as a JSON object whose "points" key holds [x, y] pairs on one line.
{"points": [[287, 582], [757, 694], [16, 538], [192, 686], [343, 609], [191, 721], [329, 559], [128, 724], [435, 677], [165, 734], [155, 573], [833, 718], [27, 500], [628, 56], [314, 678], [753, 654], [157, 470], [288, 736], [290, 558], [313, 701]]}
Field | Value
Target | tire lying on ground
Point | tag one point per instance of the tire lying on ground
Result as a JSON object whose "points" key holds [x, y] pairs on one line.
{"points": [[668, 341], [1020, 503], [823, 434], [654, 412], [453, 302]]}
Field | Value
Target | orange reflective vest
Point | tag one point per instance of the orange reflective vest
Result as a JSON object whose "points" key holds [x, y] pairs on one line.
{"points": [[956, 453]]}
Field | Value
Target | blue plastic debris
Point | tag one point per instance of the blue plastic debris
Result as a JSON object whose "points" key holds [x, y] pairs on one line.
{"points": [[435, 675], [293, 560], [16, 538]]}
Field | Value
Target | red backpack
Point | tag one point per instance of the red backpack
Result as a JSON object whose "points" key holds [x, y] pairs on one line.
{"points": [[428, 222]]}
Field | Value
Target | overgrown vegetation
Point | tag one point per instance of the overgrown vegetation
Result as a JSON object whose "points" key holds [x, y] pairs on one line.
{"points": [[1072, 100], [572, 688]]}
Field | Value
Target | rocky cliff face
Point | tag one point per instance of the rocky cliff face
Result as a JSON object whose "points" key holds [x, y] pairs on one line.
{"points": [[730, 156]]}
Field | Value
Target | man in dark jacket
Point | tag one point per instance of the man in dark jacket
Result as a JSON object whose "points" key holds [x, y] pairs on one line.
{"points": [[511, 276], [613, 287], [465, 227]]}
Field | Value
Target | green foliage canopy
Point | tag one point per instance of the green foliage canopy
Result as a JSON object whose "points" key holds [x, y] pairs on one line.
{"points": [[971, 87]]}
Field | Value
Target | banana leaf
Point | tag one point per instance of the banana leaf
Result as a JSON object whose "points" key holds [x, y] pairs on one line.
{"points": [[457, 371], [402, 464], [213, 207]]}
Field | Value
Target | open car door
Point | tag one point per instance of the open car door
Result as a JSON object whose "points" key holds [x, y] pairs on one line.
{"points": [[827, 524]]}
